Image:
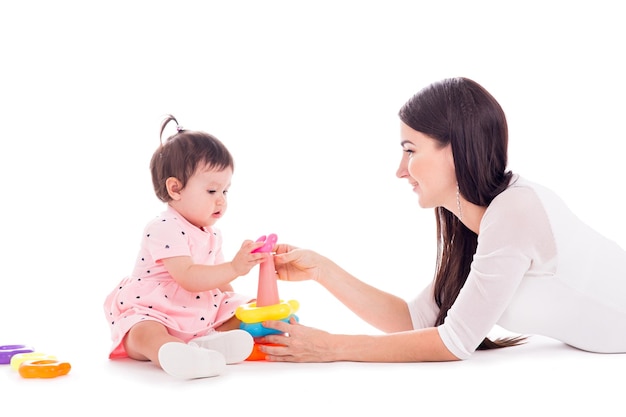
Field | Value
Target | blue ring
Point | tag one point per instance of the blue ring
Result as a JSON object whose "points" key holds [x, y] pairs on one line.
{"points": [[258, 330]]}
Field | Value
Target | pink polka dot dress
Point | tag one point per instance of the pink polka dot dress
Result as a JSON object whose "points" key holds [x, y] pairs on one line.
{"points": [[150, 293]]}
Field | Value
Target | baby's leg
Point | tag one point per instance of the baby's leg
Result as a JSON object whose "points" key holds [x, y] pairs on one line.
{"points": [[144, 339], [150, 340]]}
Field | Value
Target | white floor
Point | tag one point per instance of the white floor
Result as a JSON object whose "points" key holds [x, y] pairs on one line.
{"points": [[541, 378]]}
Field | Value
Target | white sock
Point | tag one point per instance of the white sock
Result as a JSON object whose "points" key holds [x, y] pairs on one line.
{"points": [[188, 362], [235, 345]]}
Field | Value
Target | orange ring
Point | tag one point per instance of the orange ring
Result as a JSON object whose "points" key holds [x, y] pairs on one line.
{"points": [[256, 354], [43, 368]]}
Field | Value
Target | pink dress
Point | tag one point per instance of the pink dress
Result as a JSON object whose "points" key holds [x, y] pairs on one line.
{"points": [[150, 293]]}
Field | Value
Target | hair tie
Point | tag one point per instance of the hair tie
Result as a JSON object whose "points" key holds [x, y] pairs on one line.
{"points": [[168, 119]]}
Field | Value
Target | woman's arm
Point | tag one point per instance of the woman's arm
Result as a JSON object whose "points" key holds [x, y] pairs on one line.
{"points": [[382, 310], [305, 344]]}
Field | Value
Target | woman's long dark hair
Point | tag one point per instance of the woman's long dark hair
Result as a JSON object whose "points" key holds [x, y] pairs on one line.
{"points": [[460, 112]]}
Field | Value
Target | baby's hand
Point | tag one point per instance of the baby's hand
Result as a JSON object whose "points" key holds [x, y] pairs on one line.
{"points": [[245, 260]]}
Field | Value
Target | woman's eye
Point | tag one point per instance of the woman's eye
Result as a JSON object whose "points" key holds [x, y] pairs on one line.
{"points": [[408, 152]]}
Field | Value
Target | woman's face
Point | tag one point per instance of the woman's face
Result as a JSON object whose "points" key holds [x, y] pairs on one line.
{"points": [[429, 167]]}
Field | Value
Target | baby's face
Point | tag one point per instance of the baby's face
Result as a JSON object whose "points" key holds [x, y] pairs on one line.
{"points": [[203, 200]]}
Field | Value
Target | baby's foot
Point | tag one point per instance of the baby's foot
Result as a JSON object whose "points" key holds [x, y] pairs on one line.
{"points": [[235, 345], [189, 362]]}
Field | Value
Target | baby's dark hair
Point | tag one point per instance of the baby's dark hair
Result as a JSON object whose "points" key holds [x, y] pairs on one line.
{"points": [[182, 153]]}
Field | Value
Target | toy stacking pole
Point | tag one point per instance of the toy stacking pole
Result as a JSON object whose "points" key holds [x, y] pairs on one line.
{"points": [[267, 291]]}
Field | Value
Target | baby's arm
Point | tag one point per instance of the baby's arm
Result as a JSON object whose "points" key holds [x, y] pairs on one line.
{"points": [[197, 277]]}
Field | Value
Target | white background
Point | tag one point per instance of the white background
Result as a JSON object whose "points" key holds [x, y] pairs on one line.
{"points": [[305, 95]]}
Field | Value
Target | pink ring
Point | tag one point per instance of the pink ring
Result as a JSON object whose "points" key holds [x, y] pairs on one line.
{"points": [[270, 241]]}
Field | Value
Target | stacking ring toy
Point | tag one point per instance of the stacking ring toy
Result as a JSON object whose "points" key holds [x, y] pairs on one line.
{"points": [[43, 368], [250, 313], [268, 305], [7, 352], [17, 360]]}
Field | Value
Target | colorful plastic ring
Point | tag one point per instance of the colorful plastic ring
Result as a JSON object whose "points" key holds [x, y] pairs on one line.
{"points": [[44, 368], [7, 352], [258, 330], [17, 360], [270, 241], [256, 354], [250, 313]]}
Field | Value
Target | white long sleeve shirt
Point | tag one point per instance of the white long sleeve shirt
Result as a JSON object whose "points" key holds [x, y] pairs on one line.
{"points": [[538, 269]]}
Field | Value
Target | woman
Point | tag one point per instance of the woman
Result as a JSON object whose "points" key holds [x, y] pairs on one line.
{"points": [[509, 253]]}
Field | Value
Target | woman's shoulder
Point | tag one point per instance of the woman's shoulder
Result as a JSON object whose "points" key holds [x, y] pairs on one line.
{"points": [[520, 206], [518, 211], [521, 194]]}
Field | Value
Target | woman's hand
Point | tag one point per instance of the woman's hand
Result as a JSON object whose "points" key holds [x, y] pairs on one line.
{"points": [[298, 343], [295, 264]]}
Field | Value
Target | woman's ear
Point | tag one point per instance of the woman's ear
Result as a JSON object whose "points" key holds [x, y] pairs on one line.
{"points": [[174, 186]]}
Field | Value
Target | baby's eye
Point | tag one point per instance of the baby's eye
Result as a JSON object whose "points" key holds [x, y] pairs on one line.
{"points": [[211, 191]]}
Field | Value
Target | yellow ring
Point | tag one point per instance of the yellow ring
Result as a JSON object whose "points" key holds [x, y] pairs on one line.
{"points": [[16, 360], [250, 313]]}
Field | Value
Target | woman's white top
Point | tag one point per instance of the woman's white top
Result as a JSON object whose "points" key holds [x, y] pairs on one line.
{"points": [[538, 269]]}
